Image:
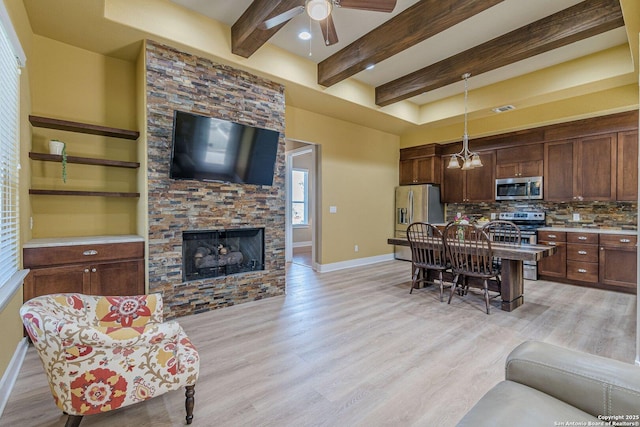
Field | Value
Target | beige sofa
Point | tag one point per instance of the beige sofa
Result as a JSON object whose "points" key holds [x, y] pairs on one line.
{"points": [[546, 385]]}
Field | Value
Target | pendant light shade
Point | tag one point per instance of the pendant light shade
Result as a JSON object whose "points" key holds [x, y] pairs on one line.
{"points": [[468, 158]]}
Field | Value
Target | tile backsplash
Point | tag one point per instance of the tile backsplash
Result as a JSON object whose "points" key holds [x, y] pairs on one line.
{"points": [[616, 215]]}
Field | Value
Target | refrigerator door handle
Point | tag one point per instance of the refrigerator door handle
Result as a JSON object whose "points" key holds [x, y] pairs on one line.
{"points": [[410, 206]]}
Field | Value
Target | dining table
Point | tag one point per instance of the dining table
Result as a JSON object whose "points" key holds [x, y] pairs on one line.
{"points": [[512, 267]]}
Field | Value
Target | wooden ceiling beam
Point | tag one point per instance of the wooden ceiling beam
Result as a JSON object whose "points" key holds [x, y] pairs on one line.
{"points": [[414, 25], [585, 19], [246, 36]]}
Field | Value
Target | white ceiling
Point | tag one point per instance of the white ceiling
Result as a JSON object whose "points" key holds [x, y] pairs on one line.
{"points": [[353, 24]]}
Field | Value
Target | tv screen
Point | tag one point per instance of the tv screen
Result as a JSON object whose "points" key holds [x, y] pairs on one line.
{"points": [[210, 149]]}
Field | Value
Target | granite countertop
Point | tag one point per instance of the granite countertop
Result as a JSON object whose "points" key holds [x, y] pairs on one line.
{"points": [[86, 240], [589, 230]]}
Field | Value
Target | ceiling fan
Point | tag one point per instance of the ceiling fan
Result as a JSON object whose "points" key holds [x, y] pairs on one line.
{"points": [[320, 10]]}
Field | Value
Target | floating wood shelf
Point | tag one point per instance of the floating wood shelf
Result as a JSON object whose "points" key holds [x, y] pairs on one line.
{"points": [[83, 160], [83, 193], [49, 123]]}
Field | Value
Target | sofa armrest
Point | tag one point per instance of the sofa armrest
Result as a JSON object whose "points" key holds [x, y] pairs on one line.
{"points": [[594, 384]]}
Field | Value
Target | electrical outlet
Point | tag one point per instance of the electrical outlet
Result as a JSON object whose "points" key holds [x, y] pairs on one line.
{"points": [[355, 248], [333, 209], [493, 215], [576, 217]]}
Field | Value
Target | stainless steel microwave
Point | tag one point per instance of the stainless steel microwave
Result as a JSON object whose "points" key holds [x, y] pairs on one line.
{"points": [[525, 188]]}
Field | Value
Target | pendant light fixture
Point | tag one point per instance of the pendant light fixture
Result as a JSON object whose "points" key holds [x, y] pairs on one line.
{"points": [[319, 9], [469, 158]]}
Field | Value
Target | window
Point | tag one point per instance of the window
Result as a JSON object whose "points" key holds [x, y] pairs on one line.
{"points": [[9, 149], [300, 197]]}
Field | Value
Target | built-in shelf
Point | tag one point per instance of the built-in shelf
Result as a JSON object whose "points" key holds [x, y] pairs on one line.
{"points": [[49, 123], [83, 160], [83, 193]]}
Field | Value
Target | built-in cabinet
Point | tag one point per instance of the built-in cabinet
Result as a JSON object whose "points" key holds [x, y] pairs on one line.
{"points": [[582, 169], [94, 269], [473, 185], [627, 171], [594, 259], [420, 165], [522, 161]]}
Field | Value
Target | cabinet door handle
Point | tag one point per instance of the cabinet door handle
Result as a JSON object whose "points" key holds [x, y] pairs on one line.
{"points": [[625, 240], [552, 236], [582, 270], [93, 270], [582, 252], [86, 270], [90, 252], [551, 243], [582, 237]]}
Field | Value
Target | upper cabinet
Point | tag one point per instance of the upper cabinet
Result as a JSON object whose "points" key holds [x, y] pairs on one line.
{"points": [[474, 185], [627, 178], [582, 169], [420, 165], [526, 160]]}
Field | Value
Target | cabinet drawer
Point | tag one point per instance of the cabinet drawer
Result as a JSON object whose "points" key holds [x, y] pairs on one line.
{"points": [[589, 238], [580, 252], [618, 240], [582, 271], [554, 236], [60, 255]]}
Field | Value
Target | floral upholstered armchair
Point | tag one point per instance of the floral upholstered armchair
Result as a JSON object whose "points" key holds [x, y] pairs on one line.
{"points": [[103, 353]]}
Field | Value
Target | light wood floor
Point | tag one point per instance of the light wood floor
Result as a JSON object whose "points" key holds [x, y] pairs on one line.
{"points": [[353, 348]]}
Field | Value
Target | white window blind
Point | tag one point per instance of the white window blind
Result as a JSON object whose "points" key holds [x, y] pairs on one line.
{"points": [[9, 156]]}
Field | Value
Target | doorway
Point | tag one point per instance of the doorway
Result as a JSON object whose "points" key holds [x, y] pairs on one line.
{"points": [[301, 202]]}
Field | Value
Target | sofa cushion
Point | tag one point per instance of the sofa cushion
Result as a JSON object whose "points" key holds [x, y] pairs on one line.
{"points": [[510, 403]]}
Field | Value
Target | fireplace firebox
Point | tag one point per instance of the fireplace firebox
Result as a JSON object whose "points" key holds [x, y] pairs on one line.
{"points": [[217, 253]]}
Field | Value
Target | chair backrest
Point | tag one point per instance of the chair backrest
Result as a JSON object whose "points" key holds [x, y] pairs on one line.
{"points": [[501, 231], [427, 248], [468, 248]]}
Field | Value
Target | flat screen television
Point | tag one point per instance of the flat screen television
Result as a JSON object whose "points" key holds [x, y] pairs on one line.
{"points": [[210, 149]]}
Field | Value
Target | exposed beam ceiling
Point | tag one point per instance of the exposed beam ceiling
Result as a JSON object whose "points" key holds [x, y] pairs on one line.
{"points": [[416, 24], [246, 36], [581, 21]]}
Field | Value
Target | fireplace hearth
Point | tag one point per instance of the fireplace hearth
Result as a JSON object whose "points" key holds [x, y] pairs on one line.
{"points": [[217, 253]]}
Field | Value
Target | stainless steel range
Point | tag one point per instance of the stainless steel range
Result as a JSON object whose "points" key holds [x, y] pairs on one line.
{"points": [[528, 222]]}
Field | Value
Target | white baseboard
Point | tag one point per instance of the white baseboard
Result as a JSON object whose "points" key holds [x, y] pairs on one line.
{"points": [[11, 373], [324, 268]]}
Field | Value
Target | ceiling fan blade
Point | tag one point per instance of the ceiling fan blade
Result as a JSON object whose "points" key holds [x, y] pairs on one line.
{"points": [[373, 5], [281, 19], [328, 31]]}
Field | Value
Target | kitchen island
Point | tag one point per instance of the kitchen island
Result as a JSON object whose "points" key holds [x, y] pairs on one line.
{"points": [[512, 285]]}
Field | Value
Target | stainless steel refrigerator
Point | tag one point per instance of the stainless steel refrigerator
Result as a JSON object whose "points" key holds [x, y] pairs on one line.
{"points": [[415, 203]]}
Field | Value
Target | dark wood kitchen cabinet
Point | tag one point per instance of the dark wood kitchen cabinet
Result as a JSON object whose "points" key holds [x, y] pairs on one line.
{"points": [[474, 185], [95, 269], [420, 165], [523, 161], [582, 169], [627, 179], [554, 266], [582, 257], [618, 261]]}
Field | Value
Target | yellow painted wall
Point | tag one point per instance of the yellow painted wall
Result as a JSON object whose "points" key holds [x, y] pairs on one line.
{"points": [[74, 84], [358, 174]]}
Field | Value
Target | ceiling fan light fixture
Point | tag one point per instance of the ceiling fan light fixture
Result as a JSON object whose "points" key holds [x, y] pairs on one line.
{"points": [[304, 35], [319, 9]]}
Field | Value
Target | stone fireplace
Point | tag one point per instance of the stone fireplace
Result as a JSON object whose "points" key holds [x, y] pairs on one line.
{"points": [[176, 80], [208, 254]]}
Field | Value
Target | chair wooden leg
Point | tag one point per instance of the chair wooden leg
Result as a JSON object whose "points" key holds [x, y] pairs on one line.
{"points": [[188, 404], [441, 284], [73, 421], [486, 293], [453, 287], [414, 278]]}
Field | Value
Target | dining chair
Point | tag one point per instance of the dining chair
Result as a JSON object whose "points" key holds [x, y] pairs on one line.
{"points": [[469, 251], [427, 253], [503, 232]]}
